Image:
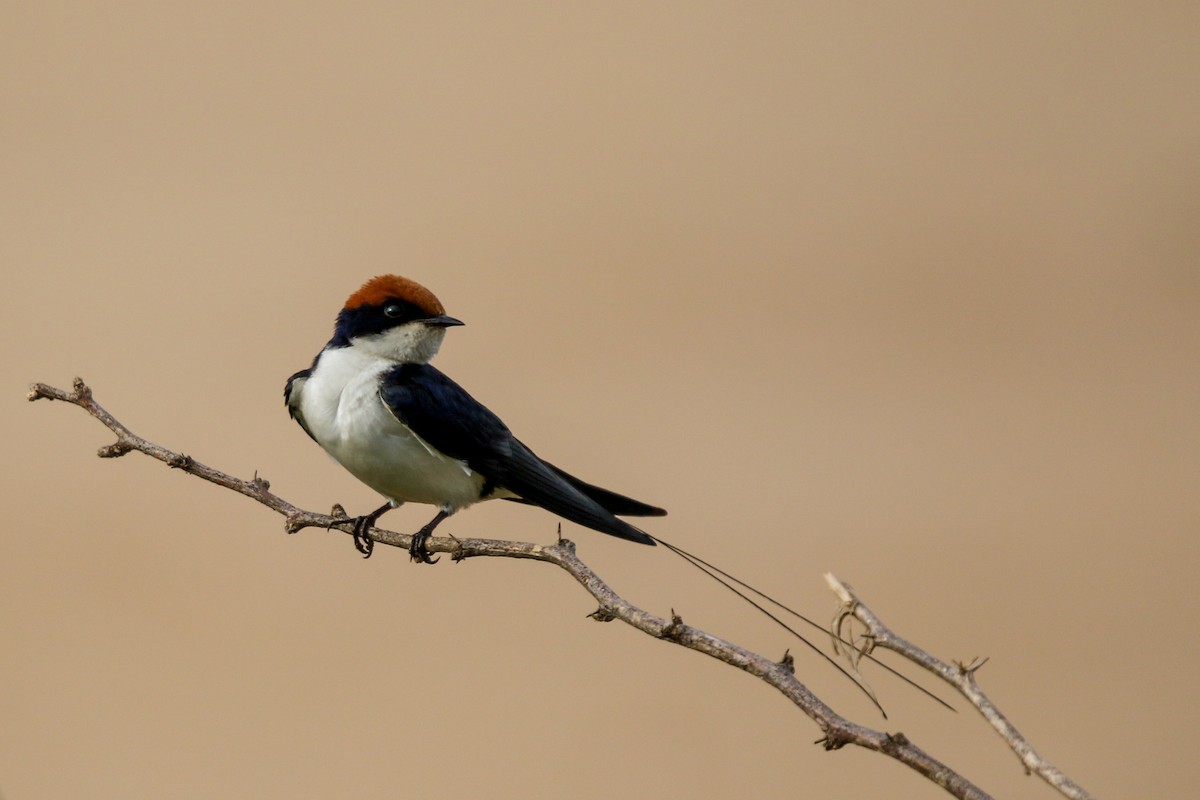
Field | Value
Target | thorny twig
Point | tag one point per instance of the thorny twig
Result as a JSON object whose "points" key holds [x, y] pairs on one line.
{"points": [[838, 731]]}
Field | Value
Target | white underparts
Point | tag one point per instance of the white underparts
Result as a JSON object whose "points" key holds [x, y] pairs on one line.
{"points": [[342, 409]]}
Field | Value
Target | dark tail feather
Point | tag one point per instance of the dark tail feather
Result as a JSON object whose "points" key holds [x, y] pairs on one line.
{"points": [[536, 483], [612, 526], [612, 502]]}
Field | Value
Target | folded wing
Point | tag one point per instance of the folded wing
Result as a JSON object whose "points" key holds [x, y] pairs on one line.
{"points": [[444, 415]]}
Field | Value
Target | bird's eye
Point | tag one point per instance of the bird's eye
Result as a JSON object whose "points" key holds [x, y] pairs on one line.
{"points": [[393, 310]]}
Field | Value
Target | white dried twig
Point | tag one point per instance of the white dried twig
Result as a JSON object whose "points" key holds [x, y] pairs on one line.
{"points": [[959, 675]]}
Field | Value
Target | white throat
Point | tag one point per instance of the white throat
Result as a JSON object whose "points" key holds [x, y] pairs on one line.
{"points": [[411, 343]]}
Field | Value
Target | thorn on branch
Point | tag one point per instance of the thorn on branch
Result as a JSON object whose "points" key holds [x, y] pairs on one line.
{"points": [[459, 553], [895, 742], [603, 614], [969, 669], [674, 630], [833, 741], [787, 662], [261, 485]]}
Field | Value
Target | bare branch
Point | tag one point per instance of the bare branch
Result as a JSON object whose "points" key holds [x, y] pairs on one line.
{"points": [[960, 676], [838, 731]]}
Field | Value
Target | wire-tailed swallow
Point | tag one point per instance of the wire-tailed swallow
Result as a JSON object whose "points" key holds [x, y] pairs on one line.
{"points": [[399, 425]]}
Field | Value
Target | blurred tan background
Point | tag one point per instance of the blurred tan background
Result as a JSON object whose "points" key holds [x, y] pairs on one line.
{"points": [[907, 292]]}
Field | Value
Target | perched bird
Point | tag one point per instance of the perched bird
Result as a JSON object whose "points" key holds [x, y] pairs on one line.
{"points": [[374, 403]]}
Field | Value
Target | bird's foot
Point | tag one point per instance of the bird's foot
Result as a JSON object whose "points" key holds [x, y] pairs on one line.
{"points": [[363, 543], [417, 550]]}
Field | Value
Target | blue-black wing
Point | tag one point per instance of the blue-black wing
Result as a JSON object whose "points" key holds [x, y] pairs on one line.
{"points": [[442, 413]]}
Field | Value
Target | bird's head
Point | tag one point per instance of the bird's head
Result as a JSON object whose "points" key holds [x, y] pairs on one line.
{"points": [[393, 318]]}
